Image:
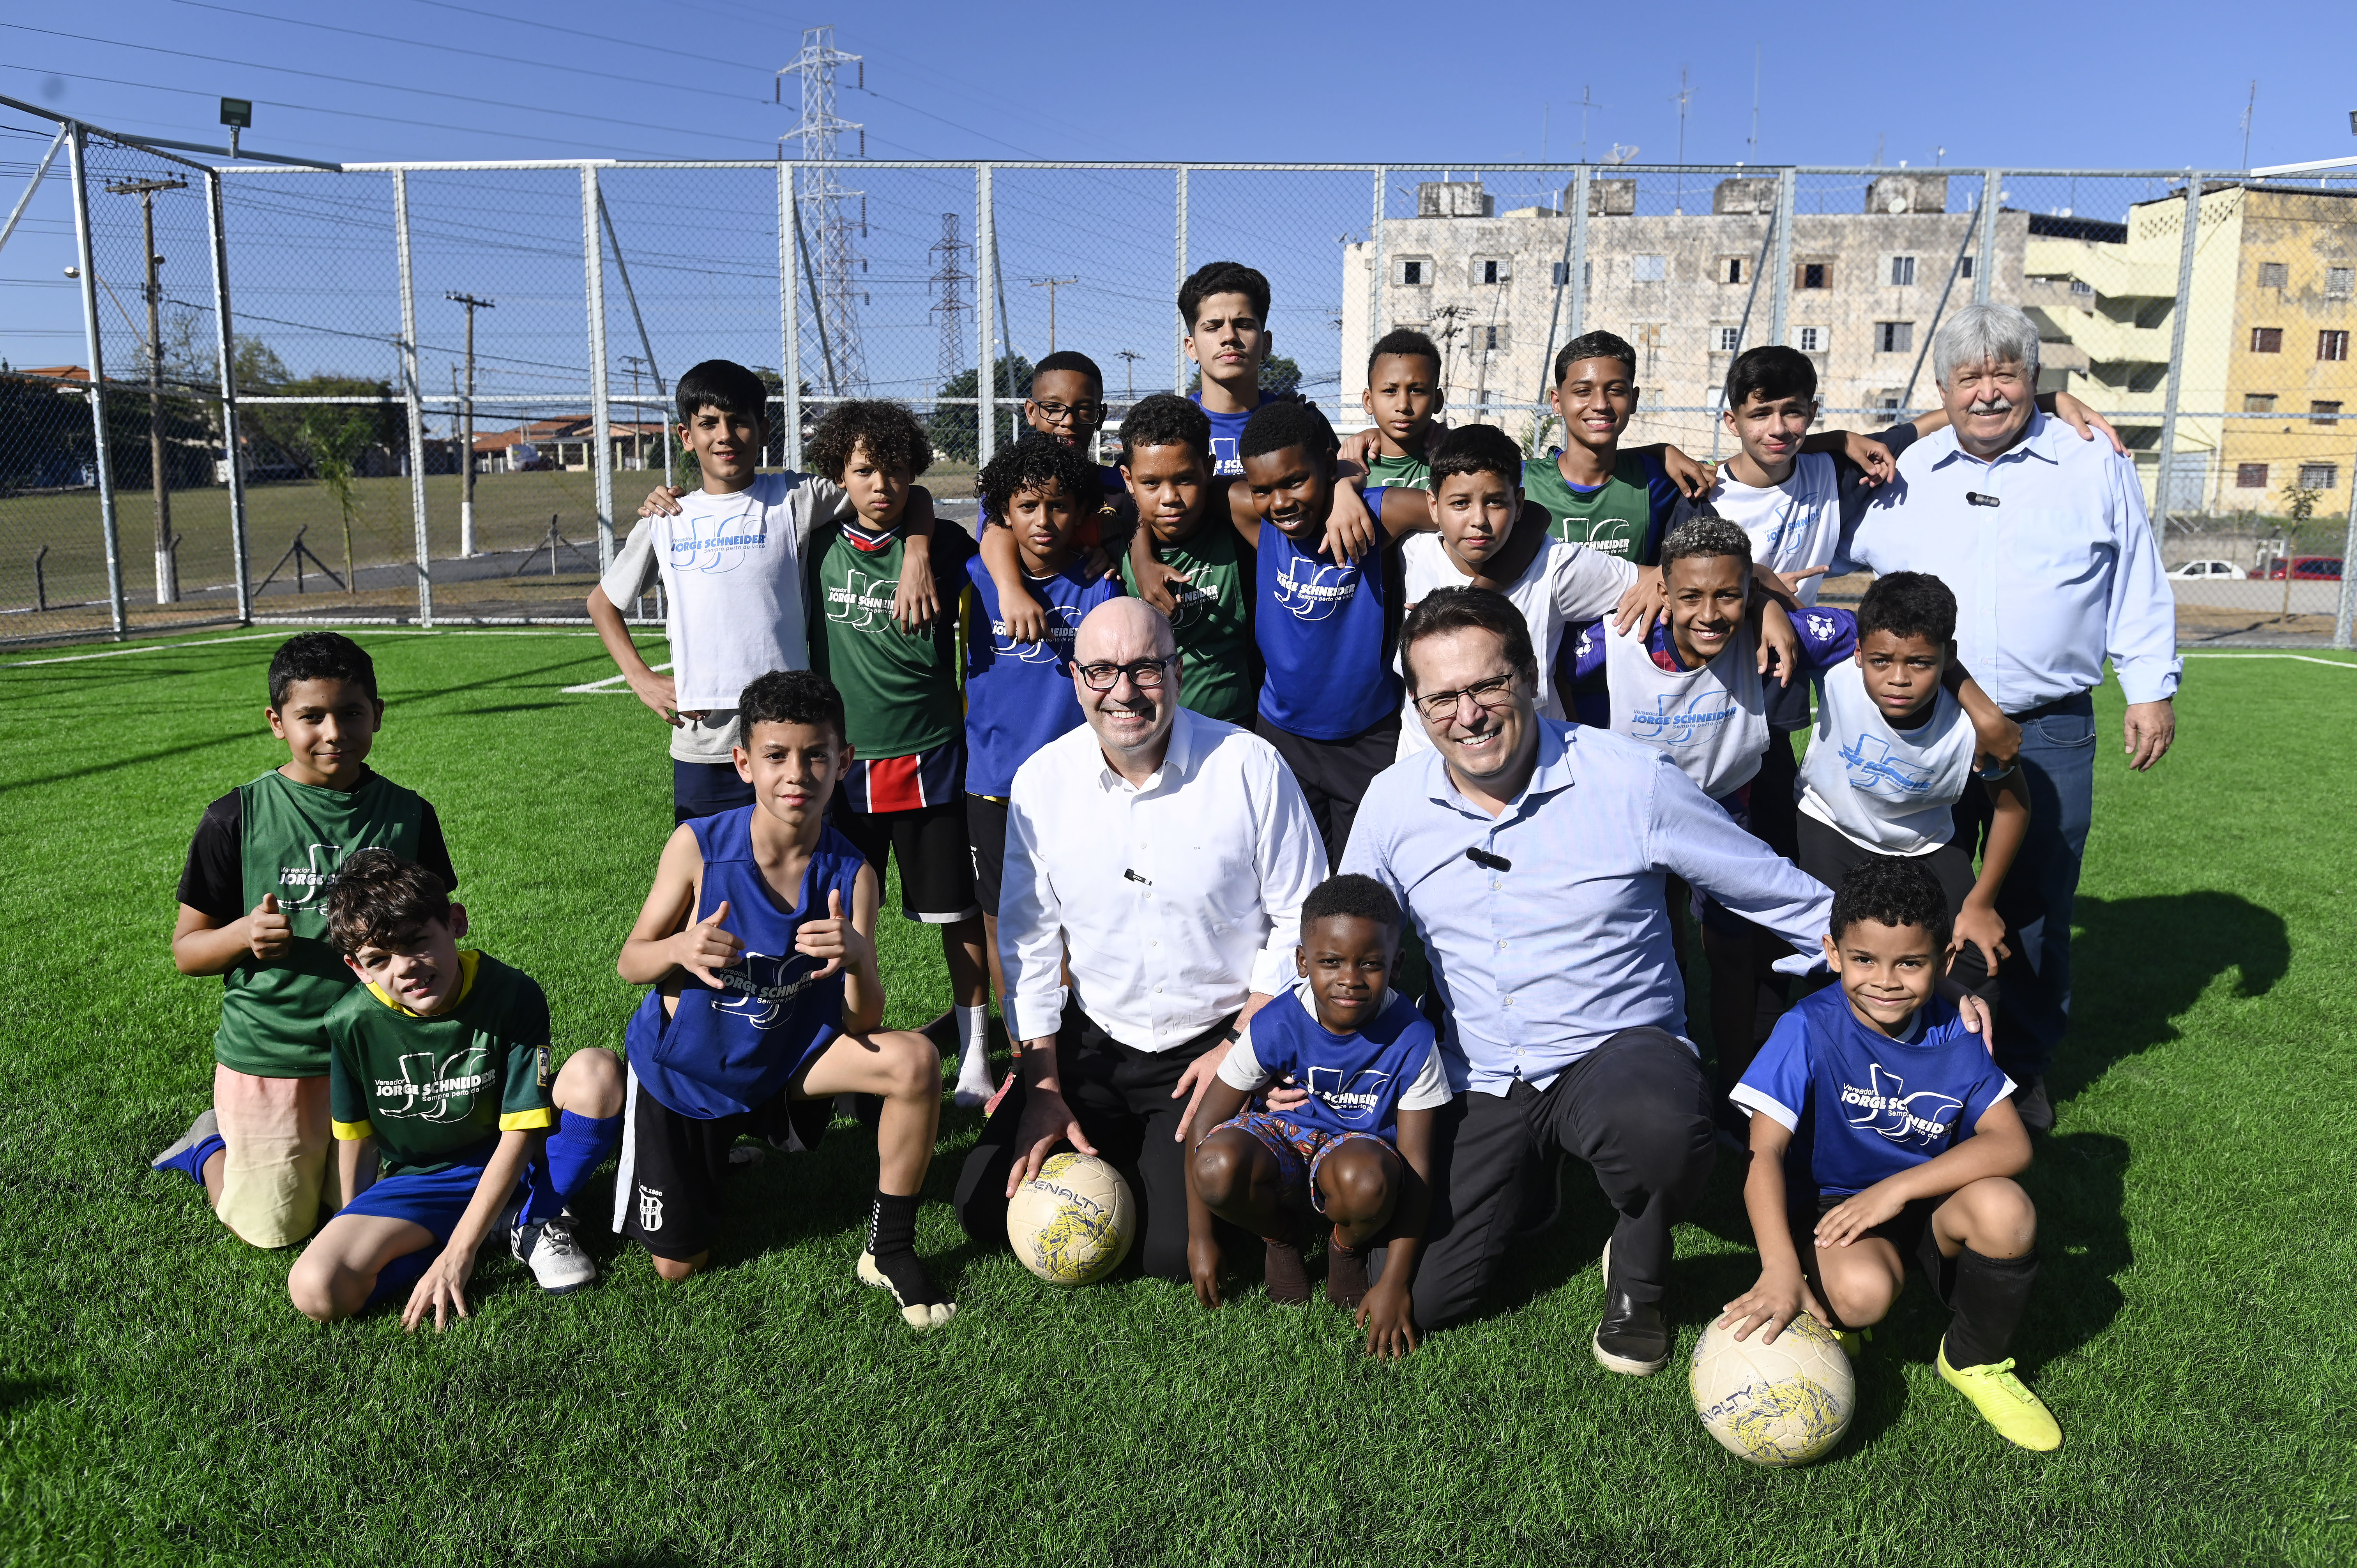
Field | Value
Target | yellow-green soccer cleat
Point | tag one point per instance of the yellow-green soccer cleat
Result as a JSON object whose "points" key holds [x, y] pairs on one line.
{"points": [[1853, 1341], [2019, 1415]]}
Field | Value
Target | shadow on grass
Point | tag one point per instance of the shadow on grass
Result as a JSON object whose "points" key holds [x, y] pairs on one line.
{"points": [[16, 1391], [2139, 963]]}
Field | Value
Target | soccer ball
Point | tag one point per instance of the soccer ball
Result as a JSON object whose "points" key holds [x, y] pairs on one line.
{"points": [[1072, 1224], [1784, 1404]]}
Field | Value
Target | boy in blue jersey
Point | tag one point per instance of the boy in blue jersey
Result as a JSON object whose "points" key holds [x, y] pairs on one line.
{"points": [[1883, 1133], [1357, 1151], [1067, 405], [438, 1084], [1019, 695], [1223, 307], [758, 940]]}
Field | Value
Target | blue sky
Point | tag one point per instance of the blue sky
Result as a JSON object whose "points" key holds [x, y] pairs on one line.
{"points": [[1429, 84]]}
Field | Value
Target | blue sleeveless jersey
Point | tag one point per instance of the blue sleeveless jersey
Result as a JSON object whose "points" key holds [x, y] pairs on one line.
{"points": [[1019, 695], [726, 1051], [1320, 626], [1355, 1081], [1227, 434]]}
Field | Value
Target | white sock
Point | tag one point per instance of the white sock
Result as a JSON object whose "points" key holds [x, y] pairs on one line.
{"points": [[974, 1058]]}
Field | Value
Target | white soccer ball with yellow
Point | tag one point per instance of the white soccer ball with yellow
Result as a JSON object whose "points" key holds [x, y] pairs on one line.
{"points": [[1072, 1224], [1784, 1404]]}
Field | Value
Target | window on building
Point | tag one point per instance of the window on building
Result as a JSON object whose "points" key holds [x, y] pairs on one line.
{"points": [[1814, 275], [1729, 338], [1561, 274], [2250, 476], [1493, 270], [1649, 269], [1965, 271], [1495, 337], [2325, 414], [1902, 271], [2320, 475], [2333, 343], [2338, 282], [2258, 403], [1414, 271], [1813, 339], [1730, 269], [2266, 339], [1894, 337], [2273, 275], [2080, 287]]}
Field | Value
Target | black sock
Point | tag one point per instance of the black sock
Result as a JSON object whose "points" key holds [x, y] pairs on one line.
{"points": [[892, 1242], [1988, 1301]]}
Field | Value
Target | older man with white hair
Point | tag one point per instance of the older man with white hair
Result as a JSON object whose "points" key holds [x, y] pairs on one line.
{"points": [[2044, 540]]}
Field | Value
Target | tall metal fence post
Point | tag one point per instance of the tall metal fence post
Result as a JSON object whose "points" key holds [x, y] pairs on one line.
{"points": [[601, 412], [1992, 201], [1780, 298], [2162, 491], [101, 453], [1582, 184], [2347, 612], [233, 441], [1376, 280], [790, 317], [986, 317], [411, 395], [1179, 352]]}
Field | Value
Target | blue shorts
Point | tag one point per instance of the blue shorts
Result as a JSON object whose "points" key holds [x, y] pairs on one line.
{"points": [[437, 1202], [1299, 1152]]}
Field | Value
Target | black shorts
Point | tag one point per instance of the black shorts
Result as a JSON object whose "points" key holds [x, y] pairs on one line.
{"points": [[986, 830], [936, 863], [1829, 856], [667, 1192], [1909, 1230], [706, 790], [1334, 774]]}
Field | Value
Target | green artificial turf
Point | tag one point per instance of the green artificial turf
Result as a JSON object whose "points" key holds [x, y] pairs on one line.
{"points": [[164, 1402]]}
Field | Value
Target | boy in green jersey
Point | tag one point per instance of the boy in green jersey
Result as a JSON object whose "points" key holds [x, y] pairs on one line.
{"points": [[438, 1084], [903, 795], [1166, 460], [253, 898], [1403, 398], [1595, 493]]}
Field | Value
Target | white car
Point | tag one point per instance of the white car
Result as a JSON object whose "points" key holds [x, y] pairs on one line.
{"points": [[2213, 569]]}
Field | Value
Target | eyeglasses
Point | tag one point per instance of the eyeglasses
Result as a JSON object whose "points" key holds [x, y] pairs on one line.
{"points": [[1147, 674], [1078, 413], [1497, 692]]}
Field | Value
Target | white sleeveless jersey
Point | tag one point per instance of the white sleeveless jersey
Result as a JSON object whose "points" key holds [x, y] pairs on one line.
{"points": [[1885, 789], [1711, 721]]}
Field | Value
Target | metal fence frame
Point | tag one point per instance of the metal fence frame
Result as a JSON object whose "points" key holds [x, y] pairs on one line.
{"points": [[1566, 321]]}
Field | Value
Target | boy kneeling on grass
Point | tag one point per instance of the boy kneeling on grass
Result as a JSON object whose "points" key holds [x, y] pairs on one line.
{"points": [[758, 939], [1882, 1132], [439, 1092], [1356, 1151]]}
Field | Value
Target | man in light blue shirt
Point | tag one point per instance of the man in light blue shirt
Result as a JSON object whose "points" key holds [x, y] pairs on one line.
{"points": [[2043, 539], [1531, 854]]}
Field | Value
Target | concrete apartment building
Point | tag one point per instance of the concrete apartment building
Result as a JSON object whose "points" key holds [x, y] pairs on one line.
{"points": [[1685, 290]]}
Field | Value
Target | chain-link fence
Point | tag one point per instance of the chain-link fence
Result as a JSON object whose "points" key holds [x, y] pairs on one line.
{"points": [[451, 384]]}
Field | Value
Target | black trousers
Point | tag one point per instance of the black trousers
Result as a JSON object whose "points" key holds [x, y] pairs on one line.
{"points": [[1636, 1109], [1829, 856], [1121, 1097], [1334, 774]]}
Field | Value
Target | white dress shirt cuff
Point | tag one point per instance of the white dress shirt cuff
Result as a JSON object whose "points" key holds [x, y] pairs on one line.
{"points": [[1035, 1016], [1273, 970]]}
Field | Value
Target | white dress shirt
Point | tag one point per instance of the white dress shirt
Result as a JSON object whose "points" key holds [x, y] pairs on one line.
{"points": [[1171, 901], [2060, 571]]}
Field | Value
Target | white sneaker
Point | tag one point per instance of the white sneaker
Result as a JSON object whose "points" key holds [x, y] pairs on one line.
{"points": [[547, 1247]]}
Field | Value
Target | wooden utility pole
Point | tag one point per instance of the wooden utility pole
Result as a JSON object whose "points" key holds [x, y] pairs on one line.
{"points": [[467, 428], [1051, 285], [1129, 372], [638, 416], [168, 569]]}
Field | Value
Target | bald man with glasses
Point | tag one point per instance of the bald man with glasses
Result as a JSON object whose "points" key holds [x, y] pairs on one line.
{"points": [[1160, 859]]}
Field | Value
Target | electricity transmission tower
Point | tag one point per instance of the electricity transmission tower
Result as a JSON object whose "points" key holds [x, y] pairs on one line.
{"points": [[949, 299], [837, 268]]}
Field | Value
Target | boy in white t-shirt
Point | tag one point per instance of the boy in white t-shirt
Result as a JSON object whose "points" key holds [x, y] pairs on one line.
{"points": [[729, 557]]}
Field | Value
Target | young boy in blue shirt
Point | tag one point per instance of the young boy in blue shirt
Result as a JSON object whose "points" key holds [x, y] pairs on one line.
{"points": [[438, 1084], [1019, 695], [1882, 1134], [1357, 1151], [758, 943]]}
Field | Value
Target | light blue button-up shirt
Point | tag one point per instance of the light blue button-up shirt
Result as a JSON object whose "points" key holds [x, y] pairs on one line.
{"points": [[2062, 572], [1539, 964]]}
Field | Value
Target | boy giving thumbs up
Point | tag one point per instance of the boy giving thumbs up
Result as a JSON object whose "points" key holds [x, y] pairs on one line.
{"points": [[763, 1009]]}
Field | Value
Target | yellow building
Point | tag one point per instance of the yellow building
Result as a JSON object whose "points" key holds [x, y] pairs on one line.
{"points": [[2267, 397]]}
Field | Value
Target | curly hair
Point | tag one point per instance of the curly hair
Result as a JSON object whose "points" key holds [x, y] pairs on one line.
{"points": [[1908, 603], [1706, 534], [789, 697], [1166, 419], [1036, 462], [1352, 896], [1275, 426], [890, 433], [1893, 890], [376, 896]]}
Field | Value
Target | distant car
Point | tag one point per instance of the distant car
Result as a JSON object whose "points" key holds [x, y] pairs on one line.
{"points": [[2211, 569], [2308, 569]]}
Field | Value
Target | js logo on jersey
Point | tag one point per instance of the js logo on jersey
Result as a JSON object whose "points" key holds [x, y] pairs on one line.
{"points": [[1666, 725], [763, 985], [1223, 455], [723, 547], [1313, 592], [1053, 648], [650, 1208], [306, 885], [1874, 769], [863, 603], [1886, 1108], [437, 1090], [1189, 605], [1353, 1100]]}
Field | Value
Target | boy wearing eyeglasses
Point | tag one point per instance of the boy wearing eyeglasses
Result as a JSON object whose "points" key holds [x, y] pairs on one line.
{"points": [[1066, 406]]}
